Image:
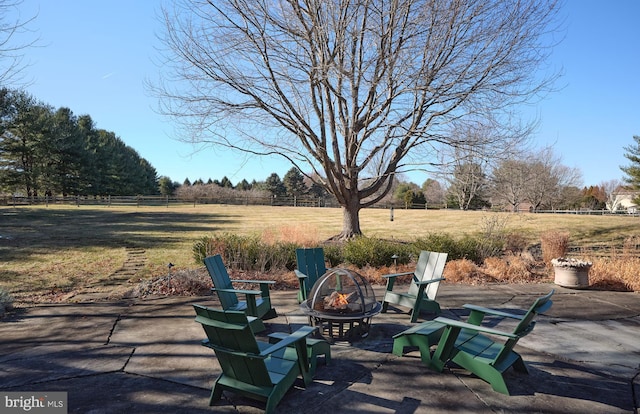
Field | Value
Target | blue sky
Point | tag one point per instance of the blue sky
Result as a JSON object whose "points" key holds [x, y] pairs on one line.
{"points": [[95, 56]]}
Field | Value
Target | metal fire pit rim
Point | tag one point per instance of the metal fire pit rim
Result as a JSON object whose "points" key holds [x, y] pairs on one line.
{"points": [[341, 317]]}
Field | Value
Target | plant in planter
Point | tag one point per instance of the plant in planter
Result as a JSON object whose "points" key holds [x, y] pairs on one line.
{"points": [[571, 273]]}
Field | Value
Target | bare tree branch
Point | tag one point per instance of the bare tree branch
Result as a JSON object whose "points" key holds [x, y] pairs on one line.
{"points": [[12, 43], [358, 90]]}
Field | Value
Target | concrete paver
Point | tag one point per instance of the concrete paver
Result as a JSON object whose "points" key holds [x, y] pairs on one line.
{"points": [[145, 356]]}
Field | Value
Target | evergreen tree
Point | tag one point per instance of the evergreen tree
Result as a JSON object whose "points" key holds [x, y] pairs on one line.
{"points": [[409, 194], [316, 190], [226, 182], [45, 151], [243, 185], [274, 185], [22, 144], [166, 186], [632, 171], [66, 154], [294, 183]]}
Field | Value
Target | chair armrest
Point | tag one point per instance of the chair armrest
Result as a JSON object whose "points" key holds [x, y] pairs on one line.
{"points": [[241, 354], [300, 334], [426, 282], [397, 274], [471, 327], [299, 274], [242, 291], [494, 312], [268, 282]]}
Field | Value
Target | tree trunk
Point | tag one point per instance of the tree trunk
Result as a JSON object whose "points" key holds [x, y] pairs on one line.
{"points": [[350, 221]]}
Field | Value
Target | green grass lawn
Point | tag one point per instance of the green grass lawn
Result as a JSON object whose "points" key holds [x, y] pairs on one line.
{"points": [[44, 249]]}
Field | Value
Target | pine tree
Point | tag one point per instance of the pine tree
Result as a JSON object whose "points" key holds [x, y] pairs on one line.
{"points": [[633, 171], [294, 183]]}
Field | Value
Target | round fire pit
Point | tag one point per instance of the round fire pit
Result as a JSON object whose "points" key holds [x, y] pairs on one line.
{"points": [[341, 303]]}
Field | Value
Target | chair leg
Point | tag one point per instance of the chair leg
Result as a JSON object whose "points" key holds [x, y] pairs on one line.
{"points": [[414, 314], [483, 371], [520, 366], [271, 405], [271, 314], [216, 394], [496, 379], [414, 340]]}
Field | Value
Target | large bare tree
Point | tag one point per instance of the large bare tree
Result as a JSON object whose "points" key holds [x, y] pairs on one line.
{"points": [[611, 189], [548, 179], [509, 182], [351, 92]]}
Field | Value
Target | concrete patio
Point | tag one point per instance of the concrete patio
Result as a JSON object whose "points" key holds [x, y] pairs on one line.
{"points": [[145, 355]]}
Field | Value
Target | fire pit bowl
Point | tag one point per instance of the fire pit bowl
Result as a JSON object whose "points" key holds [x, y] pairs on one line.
{"points": [[341, 303]]}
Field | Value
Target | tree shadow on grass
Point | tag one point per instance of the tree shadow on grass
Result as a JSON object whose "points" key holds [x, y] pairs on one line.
{"points": [[32, 232]]}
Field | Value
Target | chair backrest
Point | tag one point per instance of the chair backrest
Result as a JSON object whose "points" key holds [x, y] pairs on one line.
{"points": [[221, 280], [542, 304], [526, 324], [235, 346], [430, 266], [311, 262]]}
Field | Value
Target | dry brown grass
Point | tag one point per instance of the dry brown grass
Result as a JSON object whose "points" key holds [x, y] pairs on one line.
{"points": [[465, 271], [305, 235], [616, 273], [507, 269], [615, 269], [554, 244]]}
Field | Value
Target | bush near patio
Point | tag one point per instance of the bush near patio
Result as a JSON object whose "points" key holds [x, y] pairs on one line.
{"points": [[253, 254], [474, 259]]}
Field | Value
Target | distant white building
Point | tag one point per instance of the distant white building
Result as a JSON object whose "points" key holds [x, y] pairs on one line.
{"points": [[623, 200]]}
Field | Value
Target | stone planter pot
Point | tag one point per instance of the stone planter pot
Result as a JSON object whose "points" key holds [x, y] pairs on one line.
{"points": [[571, 276]]}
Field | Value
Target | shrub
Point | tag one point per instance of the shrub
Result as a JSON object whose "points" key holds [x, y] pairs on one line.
{"points": [[471, 248], [554, 244], [237, 251], [280, 255], [466, 247], [246, 252], [615, 273], [438, 242], [496, 267], [363, 251], [333, 254], [515, 243], [511, 269], [460, 270]]}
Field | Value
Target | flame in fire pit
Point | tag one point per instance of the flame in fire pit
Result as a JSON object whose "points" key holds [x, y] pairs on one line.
{"points": [[339, 301]]}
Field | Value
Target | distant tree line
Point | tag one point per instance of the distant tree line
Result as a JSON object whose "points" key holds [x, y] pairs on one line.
{"points": [[532, 183], [48, 151], [294, 184]]}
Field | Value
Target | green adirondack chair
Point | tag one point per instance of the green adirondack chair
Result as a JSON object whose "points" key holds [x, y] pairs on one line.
{"points": [[257, 303], [255, 369], [421, 295], [310, 266], [466, 343]]}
